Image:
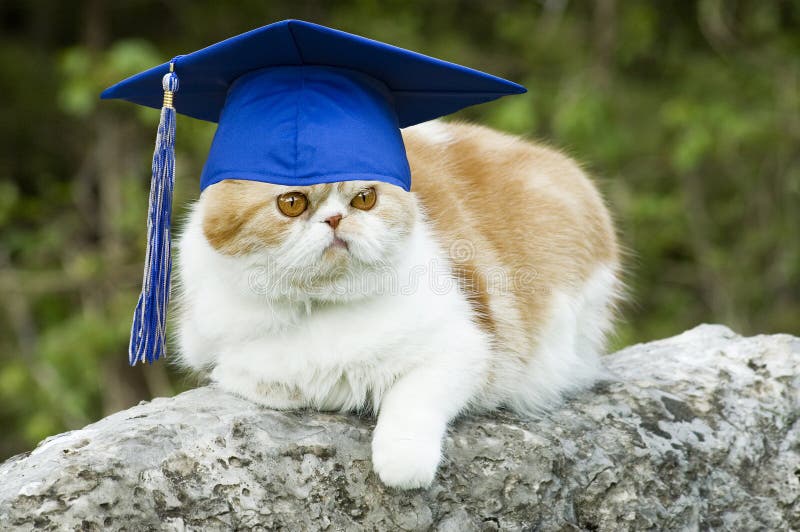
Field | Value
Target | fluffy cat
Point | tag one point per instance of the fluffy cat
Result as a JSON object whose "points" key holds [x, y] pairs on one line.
{"points": [[491, 284]]}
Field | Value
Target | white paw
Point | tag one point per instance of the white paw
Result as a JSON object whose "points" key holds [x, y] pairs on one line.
{"points": [[272, 394], [404, 460]]}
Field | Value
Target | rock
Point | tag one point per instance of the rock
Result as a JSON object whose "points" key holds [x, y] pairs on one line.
{"points": [[696, 431]]}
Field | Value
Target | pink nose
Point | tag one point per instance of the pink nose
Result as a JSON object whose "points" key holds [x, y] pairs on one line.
{"points": [[334, 220]]}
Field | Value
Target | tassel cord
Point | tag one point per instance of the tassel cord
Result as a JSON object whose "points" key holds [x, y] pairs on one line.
{"points": [[148, 331]]}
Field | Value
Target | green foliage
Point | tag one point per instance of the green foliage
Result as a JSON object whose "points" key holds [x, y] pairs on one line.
{"points": [[687, 113]]}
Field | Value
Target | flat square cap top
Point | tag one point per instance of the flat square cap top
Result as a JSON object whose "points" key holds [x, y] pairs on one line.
{"points": [[422, 88]]}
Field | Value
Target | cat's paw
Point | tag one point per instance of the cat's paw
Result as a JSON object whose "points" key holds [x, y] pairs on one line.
{"points": [[404, 460]]}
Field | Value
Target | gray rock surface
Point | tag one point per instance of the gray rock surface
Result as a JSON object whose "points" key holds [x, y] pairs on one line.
{"points": [[699, 431]]}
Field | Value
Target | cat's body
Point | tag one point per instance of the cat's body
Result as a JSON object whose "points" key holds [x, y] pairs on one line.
{"points": [[491, 284]]}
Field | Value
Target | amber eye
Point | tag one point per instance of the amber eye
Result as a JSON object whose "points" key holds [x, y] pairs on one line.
{"points": [[365, 200], [292, 203]]}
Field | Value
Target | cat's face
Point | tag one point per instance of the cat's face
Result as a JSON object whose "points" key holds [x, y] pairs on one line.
{"points": [[313, 234]]}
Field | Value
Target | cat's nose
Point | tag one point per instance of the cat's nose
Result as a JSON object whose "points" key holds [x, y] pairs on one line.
{"points": [[334, 220]]}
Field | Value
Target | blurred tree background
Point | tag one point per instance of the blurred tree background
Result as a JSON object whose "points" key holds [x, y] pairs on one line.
{"points": [[688, 114]]}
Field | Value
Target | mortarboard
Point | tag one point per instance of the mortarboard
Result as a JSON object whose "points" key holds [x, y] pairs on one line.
{"points": [[296, 104]]}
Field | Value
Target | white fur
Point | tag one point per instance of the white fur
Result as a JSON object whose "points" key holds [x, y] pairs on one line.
{"points": [[434, 131], [400, 345], [395, 351], [567, 356]]}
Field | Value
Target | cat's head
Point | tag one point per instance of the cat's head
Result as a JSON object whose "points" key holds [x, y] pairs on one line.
{"points": [[309, 237]]}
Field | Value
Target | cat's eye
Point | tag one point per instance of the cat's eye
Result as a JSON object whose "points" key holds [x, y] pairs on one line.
{"points": [[365, 199], [292, 203]]}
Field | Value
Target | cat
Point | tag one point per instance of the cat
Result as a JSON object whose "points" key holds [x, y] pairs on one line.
{"points": [[493, 283]]}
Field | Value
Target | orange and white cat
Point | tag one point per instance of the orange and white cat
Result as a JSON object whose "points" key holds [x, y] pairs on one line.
{"points": [[491, 284]]}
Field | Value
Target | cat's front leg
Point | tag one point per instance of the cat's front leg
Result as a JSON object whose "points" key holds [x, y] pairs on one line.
{"points": [[413, 419], [260, 389]]}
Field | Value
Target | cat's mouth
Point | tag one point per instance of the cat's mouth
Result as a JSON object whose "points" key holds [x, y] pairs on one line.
{"points": [[337, 243], [336, 253]]}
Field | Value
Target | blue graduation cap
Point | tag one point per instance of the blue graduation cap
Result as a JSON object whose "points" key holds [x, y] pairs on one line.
{"points": [[297, 104]]}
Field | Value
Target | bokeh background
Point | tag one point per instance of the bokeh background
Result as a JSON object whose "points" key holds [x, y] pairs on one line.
{"points": [[687, 113]]}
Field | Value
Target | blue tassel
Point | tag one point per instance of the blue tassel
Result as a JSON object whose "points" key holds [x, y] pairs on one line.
{"points": [[148, 333]]}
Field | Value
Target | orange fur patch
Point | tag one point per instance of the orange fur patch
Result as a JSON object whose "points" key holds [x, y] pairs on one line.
{"points": [[511, 210]]}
